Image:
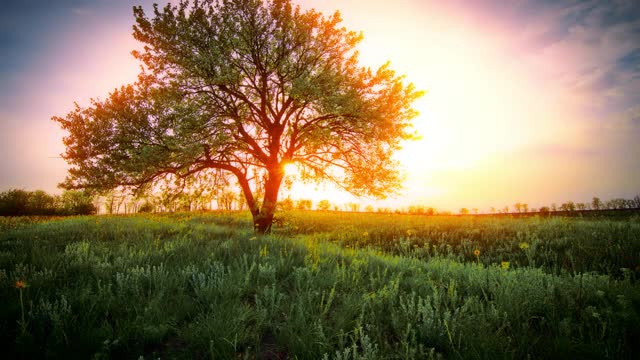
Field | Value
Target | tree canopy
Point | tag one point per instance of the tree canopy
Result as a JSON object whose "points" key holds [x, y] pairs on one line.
{"points": [[240, 88]]}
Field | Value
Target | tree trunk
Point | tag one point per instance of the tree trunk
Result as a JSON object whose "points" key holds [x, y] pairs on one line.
{"points": [[264, 218]]}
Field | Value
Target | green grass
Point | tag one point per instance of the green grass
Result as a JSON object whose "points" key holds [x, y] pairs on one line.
{"points": [[324, 285]]}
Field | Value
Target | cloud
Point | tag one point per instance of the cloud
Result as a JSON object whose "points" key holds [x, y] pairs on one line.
{"points": [[629, 119], [591, 48], [599, 53]]}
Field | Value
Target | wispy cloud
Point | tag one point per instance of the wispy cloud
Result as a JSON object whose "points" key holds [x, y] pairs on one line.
{"points": [[594, 48], [589, 47]]}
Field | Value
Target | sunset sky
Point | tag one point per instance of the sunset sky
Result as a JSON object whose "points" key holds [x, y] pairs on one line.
{"points": [[527, 101]]}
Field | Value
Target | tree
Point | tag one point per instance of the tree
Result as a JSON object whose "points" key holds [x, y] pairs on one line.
{"points": [[324, 205], [245, 87], [353, 207], [464, 211], [636, 202], [226, 199], [304, 204], [15, 202], [18, 202], [596, 203], [77, 203], [417, 209], [146, 207], [286, 204], [568, 206], [41, 203]]}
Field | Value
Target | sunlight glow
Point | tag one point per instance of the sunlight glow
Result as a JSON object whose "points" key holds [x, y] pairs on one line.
{"points": [[290, 169], [497, 125]]}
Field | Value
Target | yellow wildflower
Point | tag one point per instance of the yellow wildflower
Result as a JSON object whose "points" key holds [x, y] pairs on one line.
{"points": [[476, 252], [504, 265], [365, 234], [524, 245], [410, 233]]}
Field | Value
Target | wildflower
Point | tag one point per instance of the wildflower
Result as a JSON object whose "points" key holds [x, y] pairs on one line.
{"points": [[476, 252], [410, 233], [365, 234], [20, 285], [253, 238], [524, 245], [504, 265]]}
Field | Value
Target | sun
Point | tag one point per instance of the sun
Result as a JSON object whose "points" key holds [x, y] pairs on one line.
{"points": [[290, 169]]}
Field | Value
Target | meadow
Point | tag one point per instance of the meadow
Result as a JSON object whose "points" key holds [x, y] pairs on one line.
{"points": [[323, 285]]}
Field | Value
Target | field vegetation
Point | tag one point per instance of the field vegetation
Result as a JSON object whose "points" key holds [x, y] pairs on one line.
{"points": [[18, 202], [323, 285]]}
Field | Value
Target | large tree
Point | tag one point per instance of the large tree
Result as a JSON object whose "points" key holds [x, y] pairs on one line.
{"points": [[241, 88]]}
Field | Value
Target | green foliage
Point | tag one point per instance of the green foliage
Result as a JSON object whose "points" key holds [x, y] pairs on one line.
{"points": [[197, 285], [286, 204], [14, 202], [147, 207], [243, 88], [74, 202], [18, 202], [304, 204], [324, 205], [554, 244]]}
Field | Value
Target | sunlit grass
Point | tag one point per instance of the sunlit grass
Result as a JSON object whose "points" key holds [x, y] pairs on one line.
{"points": [[326, 285]]}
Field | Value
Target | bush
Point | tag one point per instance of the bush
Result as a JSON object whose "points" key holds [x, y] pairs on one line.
{"points": [[147, 207], [14, 202], [18, 202]]}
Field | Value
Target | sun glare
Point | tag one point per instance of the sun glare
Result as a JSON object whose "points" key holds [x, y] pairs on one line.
{"points": [[290, 169]]}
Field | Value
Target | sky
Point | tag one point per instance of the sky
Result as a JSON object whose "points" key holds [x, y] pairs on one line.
{"points": [[526, 101]]}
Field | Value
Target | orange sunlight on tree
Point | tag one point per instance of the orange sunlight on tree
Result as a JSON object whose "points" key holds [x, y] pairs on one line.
{"points": [[235, 90]]}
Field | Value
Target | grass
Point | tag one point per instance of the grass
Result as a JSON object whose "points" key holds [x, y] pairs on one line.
{"points": [[324, 285]]}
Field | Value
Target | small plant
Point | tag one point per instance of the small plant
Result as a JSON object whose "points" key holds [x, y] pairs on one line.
{"points": [[476, 252], [21, 285], [185, 285]]}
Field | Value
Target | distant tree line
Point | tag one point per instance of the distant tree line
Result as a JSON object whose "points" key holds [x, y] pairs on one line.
{"points": [[522, 208], [17, 202], [595, 204], [197, 197]]}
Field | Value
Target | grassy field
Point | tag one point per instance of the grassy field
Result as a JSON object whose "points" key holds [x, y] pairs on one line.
{"points": [[322, 286]]}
